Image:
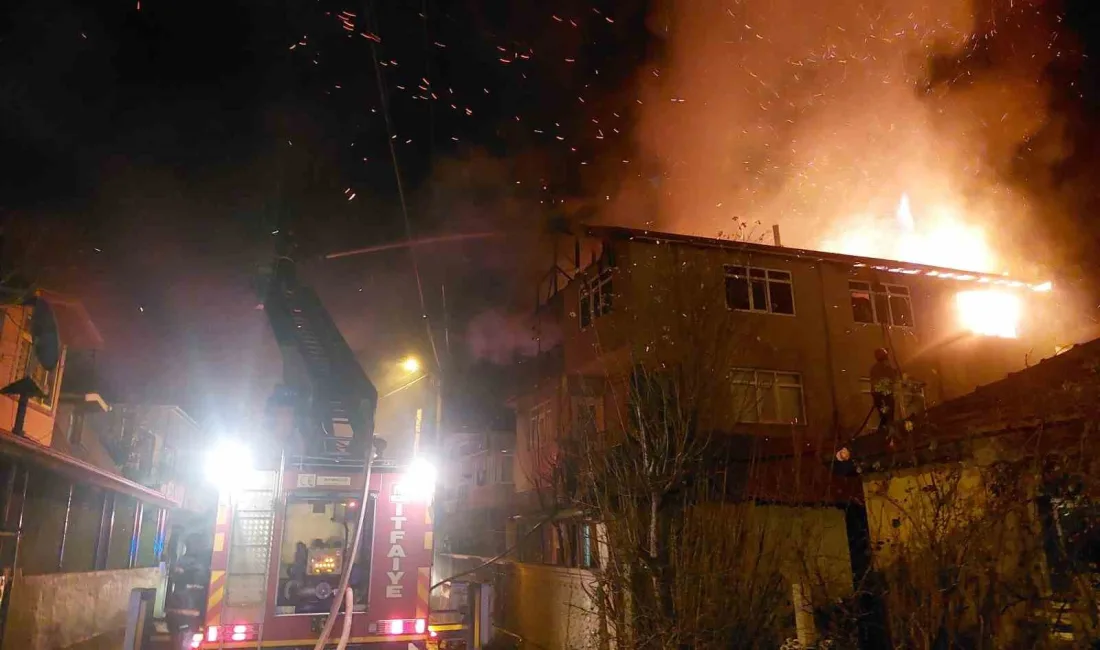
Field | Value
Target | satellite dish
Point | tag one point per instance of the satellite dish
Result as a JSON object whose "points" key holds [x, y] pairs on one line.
{"points": [[47, 343]]}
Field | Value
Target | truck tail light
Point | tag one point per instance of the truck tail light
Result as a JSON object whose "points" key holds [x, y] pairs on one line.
{"points": [[240, 632], [212, 633], [403, 626], [196, 639]]}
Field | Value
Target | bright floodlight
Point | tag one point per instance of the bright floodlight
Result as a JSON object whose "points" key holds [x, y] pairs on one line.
{"points": [[410, 364], [227, 464], [418, 484], [989, 312]]}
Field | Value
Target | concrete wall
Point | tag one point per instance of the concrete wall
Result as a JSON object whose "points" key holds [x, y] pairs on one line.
{"points": [[549, 607], [73, 610]]}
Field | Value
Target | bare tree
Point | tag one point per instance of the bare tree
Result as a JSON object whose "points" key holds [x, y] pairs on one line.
{"points": [[691, 556]]}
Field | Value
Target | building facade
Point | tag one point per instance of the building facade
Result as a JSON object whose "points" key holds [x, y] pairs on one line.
{"points": [[786, 337], [79, 536]]}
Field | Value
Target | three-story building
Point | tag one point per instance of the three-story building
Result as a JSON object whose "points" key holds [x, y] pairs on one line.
{"points": [[787, 338]]}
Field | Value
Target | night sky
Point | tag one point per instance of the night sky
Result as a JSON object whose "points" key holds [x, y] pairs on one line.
{"points": [[148, 151]]}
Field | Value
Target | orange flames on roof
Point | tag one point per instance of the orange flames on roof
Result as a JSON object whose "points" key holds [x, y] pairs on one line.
{"points": [[941, 237]]}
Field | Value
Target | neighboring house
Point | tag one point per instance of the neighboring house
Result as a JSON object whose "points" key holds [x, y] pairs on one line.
{"points": [[1000, 483], [83, 535], [807, 325], [157, 445], [477, 494]]}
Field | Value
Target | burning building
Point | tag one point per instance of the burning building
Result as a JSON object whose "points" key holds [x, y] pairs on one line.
{"points": [[781, 340]]}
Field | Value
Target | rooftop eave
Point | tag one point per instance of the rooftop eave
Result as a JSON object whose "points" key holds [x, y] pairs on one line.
{"points": [[878, 264]]}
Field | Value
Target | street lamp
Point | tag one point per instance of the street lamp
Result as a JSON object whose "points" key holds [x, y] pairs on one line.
{"points": [[410, 365]]}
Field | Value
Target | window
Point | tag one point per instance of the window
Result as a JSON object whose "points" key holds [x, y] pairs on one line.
{"points": [[76, 427], [760, 290], [588, 558], [1071, 538], [482, 475], [596, 296], [538, 429], [27, 365], [908, 397], [565, 542], [886, 304], [768, 396], [315, 547]]}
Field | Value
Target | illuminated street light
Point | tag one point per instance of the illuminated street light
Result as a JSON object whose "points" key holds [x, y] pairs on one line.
{"points": [[410, 365]]}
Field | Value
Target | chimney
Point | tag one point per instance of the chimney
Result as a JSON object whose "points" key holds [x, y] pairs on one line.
{"points": [[775, 235]]}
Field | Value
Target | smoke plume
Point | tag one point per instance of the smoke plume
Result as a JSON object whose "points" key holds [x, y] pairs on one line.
{"points": [[821, 116]]}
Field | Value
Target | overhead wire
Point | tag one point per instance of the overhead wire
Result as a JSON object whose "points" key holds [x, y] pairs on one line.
{"points": [[390, 135]]}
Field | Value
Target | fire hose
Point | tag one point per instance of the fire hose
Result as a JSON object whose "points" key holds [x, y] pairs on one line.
{"points": [[345, 577]]}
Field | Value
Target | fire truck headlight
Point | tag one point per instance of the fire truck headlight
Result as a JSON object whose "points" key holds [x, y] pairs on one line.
{"points": [[227, 463], [418, 483]]}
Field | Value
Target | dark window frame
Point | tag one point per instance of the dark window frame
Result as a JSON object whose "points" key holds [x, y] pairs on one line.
{"points": [[597, 296], [761, 286], [774, 385], [881, 298]]}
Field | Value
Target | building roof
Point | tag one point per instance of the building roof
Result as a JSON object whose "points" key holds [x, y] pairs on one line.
{"points": [[1061, 390], [891, 266]]}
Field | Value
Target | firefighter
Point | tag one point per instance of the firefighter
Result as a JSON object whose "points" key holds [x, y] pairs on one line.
{"points": [[884, 376], [187, 585]]}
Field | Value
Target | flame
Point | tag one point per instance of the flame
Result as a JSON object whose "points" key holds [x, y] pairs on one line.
{"points": [[989, 312], [942, 238]]}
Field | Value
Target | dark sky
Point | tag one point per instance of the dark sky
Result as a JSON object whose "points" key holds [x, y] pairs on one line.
{"points": [[160, 145], [150, 149]]}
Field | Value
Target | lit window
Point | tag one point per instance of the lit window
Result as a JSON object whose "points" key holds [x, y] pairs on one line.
{"points": [[27, 365], [768, 396], [760, 290], [886, 304], [596, 296]]}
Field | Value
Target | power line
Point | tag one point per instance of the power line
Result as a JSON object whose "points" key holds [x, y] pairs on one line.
{"points": [[390, 135]]}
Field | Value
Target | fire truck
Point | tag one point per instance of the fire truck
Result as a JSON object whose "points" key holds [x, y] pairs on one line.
{"points": [[286, 529]]}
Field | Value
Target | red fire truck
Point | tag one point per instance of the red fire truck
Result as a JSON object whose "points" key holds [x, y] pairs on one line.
{"points": [[282, 540], [285, 533]]}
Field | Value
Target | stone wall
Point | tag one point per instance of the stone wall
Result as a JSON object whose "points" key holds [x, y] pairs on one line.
{"points": [[73, 610]]}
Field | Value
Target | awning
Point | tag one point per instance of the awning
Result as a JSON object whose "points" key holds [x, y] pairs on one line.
{"points": [[78, 470]]}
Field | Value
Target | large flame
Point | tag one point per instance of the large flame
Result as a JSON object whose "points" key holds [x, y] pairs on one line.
{"points": [[941, 238], [946, 240], [989, 312]]}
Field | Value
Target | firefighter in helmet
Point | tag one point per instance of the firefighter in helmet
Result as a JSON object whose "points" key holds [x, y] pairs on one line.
{"points": [[884, 376], [187, 585]]}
